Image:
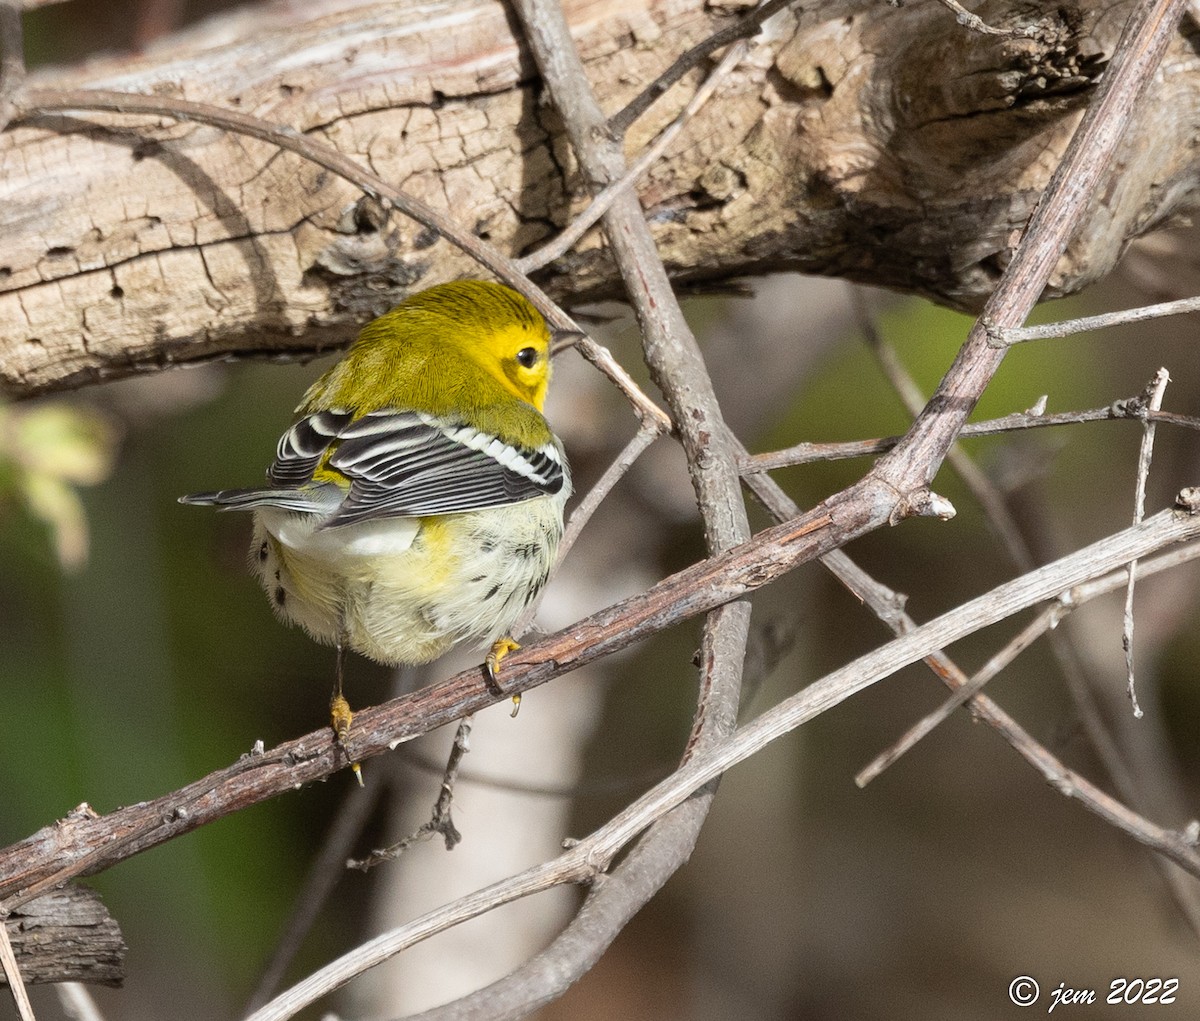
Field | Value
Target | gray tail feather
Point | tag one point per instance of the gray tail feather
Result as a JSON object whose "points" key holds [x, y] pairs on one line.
{"points": [[248, 499]]}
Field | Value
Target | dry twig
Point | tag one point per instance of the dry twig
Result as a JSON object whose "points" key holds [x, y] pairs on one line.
{"points": [[1084, 324], [976, 23], [1124, 409], [1044, 622], [601, 203], [12, 973], [747, 26], [441, 821], [1152, 400]]}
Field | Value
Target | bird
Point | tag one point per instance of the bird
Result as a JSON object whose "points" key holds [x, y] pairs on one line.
{"points": [[416, 502]]}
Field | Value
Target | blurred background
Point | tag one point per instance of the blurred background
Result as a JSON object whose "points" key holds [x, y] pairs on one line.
{"points": [[141, 655]]}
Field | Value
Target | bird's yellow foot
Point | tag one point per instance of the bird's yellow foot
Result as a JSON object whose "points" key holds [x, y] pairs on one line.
{"points": [[340, 718], [491, 665]]}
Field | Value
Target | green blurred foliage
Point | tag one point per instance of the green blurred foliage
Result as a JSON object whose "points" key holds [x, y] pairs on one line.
{"points": [[157, 662]]}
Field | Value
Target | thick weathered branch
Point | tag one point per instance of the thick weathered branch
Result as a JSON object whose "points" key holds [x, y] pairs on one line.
{"points": [[129, 244], [673, 357], [1064, 212], [67, 936]]}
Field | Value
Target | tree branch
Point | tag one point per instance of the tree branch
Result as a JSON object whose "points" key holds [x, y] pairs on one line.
{"points": [[590, 857], [80, 845], [231, 252], [1057, 219], [1124, 409]]}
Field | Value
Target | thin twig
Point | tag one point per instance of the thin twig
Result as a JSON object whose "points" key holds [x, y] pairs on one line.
{"points": [[12, 972], [809, 453], [1069, 327], [601, 203], [616, 471], [977, 24], [1153, 398], [749, 25], [1064, 650], [1160, 531], [1045, 621], [671, 352], [441, 820], [888, 606]]}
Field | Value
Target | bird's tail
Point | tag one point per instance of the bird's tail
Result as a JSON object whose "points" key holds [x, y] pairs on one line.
{"points": [[248, 499]]}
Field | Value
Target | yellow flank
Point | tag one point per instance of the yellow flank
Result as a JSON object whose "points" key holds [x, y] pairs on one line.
{"points": [[436, 550], [464, 577]]}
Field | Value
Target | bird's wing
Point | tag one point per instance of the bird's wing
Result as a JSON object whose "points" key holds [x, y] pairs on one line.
{"points": [[301, 448], [395, 464], [404, 463], [290, 476], [319, 499]]}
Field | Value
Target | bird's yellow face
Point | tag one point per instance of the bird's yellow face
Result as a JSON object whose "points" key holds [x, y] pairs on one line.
{"points": [[455, 349], [521, 353]]}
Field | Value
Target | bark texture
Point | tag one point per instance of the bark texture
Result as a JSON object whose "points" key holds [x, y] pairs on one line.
{"points": [[67, 936], [889, 145]]}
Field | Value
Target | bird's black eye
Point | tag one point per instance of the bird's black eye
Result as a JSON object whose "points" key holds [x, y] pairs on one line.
{"points": [[527, 357]]}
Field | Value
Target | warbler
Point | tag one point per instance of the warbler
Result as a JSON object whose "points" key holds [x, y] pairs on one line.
{"points": [[417, 500]]}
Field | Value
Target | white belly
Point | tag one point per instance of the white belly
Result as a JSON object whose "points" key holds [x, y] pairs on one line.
{"points": [[403, 590]]}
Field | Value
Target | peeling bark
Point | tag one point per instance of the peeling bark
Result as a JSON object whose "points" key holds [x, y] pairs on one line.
{"points": [[891, 146]]}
